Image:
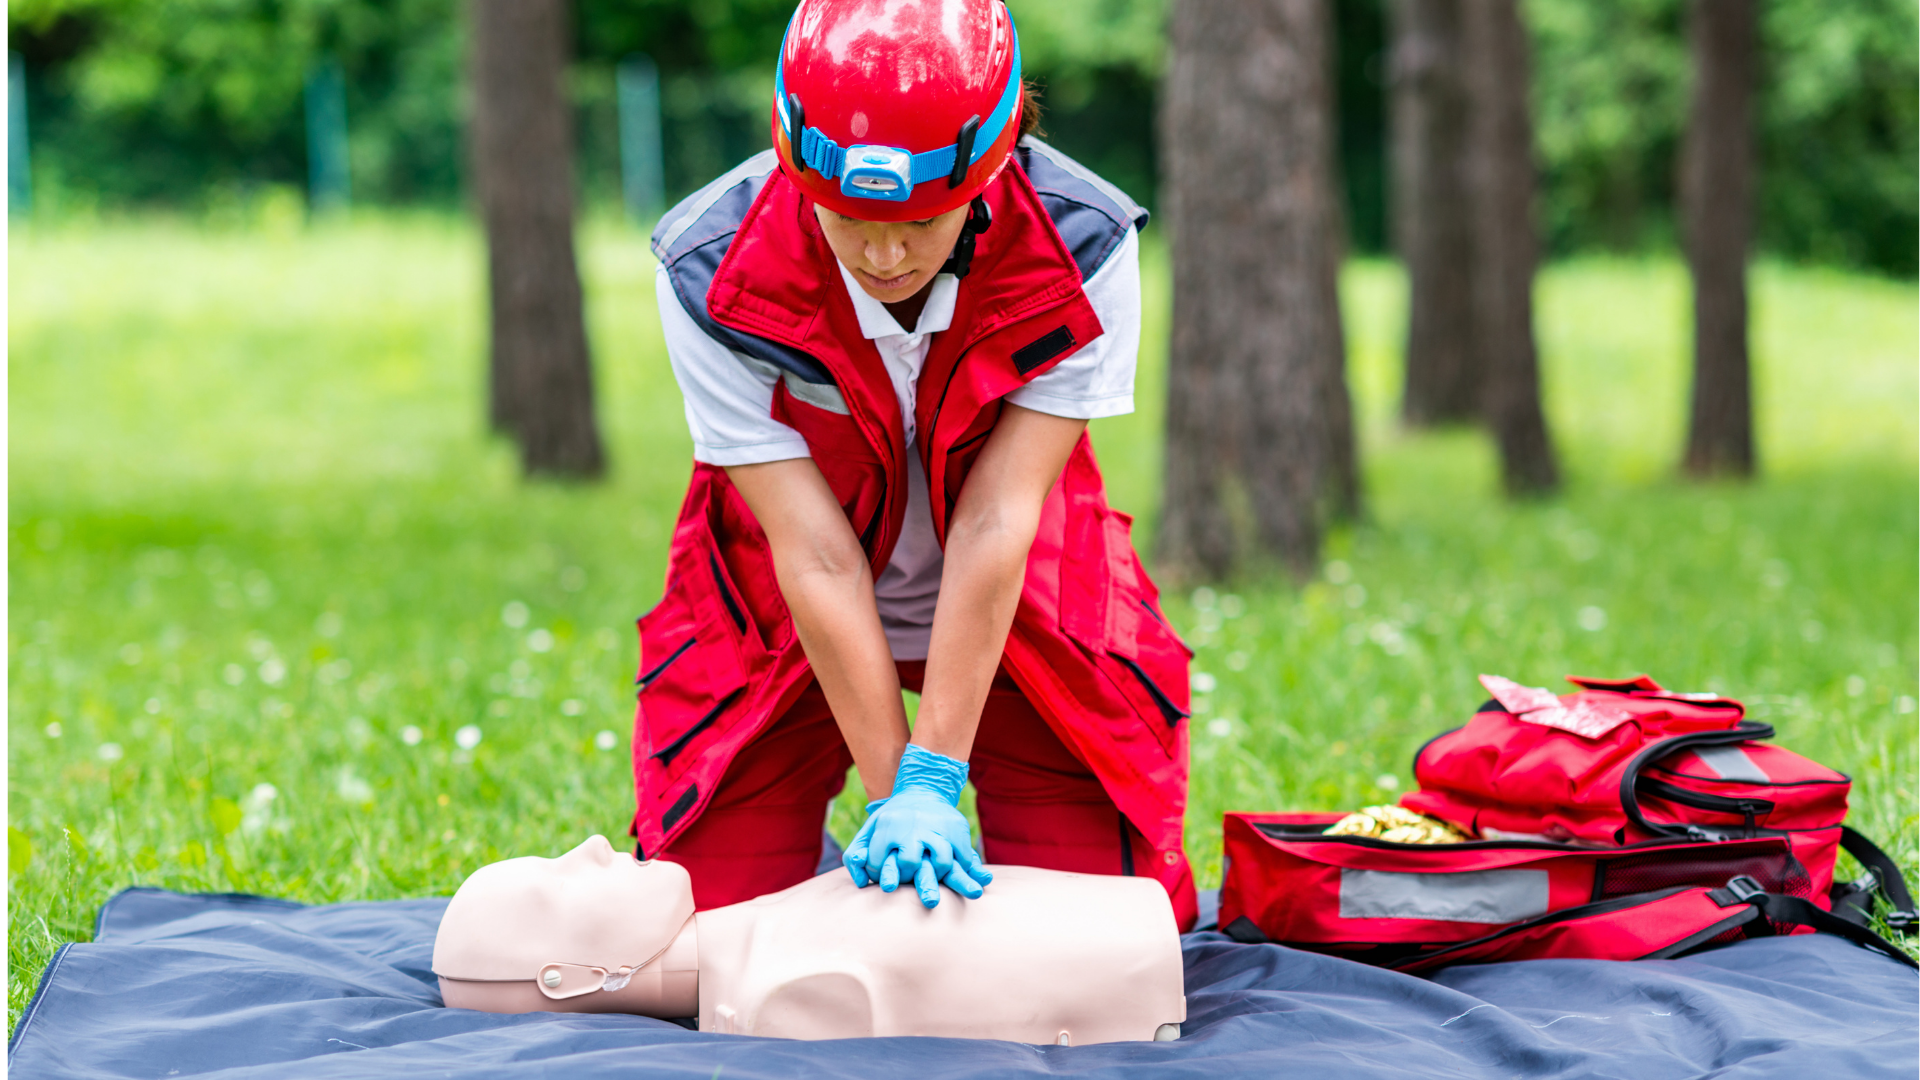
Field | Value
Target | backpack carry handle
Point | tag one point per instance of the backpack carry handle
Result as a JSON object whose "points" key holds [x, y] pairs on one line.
{"points": [[1745, 731]]}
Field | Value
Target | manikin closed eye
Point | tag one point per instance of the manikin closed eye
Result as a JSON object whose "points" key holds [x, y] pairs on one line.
{"points": [[1043, 957]]}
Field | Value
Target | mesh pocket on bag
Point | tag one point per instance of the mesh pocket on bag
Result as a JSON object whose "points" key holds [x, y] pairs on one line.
{"points": [[1653, 870]]}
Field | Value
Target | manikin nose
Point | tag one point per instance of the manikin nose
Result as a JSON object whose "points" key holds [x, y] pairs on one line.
{"points": [[597, 849]]}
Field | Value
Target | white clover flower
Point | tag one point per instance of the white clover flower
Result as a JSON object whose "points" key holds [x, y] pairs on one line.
{"points": [[352, 788]]}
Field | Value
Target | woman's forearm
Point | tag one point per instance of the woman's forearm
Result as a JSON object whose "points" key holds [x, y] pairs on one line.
{"points": [[986, 564], [828, 586], [839, 626]]}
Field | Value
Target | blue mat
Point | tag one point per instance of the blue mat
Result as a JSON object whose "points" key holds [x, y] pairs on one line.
{"points": [[242, 986]]}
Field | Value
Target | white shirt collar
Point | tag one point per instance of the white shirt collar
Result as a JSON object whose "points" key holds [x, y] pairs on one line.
{"points": [[877, 322]]}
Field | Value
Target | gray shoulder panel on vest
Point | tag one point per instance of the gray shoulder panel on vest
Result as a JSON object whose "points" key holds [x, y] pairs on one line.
{"points": [[1091, 215], [675, 222], [692, 239]]}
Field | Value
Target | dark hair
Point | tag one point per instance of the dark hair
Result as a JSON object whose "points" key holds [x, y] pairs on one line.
{"points": [[1030, 110]]}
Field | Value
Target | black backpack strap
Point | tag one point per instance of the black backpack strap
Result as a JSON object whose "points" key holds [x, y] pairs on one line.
{"points": [[1793, 911], [1853, 900], [1744, 731]]}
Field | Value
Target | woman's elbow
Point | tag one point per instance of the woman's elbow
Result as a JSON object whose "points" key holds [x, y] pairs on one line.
{"points": [[998, 529], [826, 561]]}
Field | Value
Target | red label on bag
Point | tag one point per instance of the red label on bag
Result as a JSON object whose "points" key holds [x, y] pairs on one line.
{"points": [[1536, 705]]}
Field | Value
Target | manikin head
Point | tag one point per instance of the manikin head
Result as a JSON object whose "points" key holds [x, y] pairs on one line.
{"points": [[592, 931]]}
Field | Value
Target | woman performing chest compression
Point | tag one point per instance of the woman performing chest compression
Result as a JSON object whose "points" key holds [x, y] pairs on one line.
{"points": [[890, 331]]}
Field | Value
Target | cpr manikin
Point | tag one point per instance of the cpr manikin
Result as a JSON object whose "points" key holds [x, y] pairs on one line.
{"points": [[1043, 957]]}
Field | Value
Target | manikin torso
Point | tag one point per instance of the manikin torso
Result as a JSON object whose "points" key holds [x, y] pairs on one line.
{"points": [[1042, 957]]}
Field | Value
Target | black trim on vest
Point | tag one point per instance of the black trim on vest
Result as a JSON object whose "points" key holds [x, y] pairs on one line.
{"points": [[1245, 931], [726, 595], [667, 753], [1042, 349], [680, 806], [649, 676], [1169, 712]]}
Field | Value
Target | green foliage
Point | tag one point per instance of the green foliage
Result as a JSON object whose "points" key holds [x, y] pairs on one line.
{"points": [[268, 570], [198, 101], [1607, 121], [1837, 118], [1838, 142]]}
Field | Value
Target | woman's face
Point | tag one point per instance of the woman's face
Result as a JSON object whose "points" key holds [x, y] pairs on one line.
{"points": [[892, 260]]}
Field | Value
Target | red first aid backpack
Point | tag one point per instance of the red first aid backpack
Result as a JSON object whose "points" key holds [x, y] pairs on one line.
{"points": [[1623, 821]]}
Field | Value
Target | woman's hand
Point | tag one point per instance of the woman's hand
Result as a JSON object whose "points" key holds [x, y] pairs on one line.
{"points": [[919, 834]]}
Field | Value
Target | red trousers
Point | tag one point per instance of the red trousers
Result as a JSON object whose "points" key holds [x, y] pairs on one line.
{"points": [[1039, 805]]}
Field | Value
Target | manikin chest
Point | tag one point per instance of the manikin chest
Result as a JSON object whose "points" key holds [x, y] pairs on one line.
{"points": [[1042, 957]]}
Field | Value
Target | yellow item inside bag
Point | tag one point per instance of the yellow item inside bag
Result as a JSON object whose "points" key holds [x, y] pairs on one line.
{"points": [[1398, 825]]}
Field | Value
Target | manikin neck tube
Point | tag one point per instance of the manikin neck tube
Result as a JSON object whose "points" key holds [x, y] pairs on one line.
{"points": [[900, 164]]}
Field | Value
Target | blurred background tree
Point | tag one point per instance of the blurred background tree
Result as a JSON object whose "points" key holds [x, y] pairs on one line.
{"points": [[203, 99]]}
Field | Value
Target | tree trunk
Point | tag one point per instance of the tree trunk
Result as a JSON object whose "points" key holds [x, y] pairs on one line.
{"points": [[1502, 182], [522, 143], [1259, 425], [1432, 219], [1716, 194]]}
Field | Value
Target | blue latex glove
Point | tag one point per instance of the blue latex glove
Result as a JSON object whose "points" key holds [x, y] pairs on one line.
{"points": [[918, 833]]}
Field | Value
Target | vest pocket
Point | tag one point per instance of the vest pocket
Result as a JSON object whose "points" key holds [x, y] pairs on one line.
{"points": [[1109, 607], [691, 675]]}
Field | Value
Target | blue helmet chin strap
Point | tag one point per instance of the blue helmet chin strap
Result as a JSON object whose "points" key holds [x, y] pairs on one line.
{"points": [[889, 173]]}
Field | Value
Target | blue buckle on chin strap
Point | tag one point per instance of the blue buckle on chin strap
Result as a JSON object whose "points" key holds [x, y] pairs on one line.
{"points": [[888, 173]]}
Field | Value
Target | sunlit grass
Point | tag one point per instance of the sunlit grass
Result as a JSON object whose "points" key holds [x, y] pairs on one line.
{"points": [[266, 565]]}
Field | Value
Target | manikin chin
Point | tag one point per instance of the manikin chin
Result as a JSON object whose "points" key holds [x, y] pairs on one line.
{"points": [[1043, 957]]}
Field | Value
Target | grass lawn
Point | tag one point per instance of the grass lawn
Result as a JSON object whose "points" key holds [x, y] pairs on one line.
{"points": [[283, 619]]}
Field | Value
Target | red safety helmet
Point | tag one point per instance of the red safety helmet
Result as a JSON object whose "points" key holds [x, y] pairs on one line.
{"points": [[899, 111]]}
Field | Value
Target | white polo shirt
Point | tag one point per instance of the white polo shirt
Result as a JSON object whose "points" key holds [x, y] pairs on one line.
{"points": [[729, 404]]}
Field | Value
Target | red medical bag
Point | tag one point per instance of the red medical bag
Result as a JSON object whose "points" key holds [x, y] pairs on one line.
{"points": [[1620, 822], [1622, 762]]}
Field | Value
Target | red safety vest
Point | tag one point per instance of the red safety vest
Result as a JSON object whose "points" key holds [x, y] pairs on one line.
{"points": [[1089, 646]]}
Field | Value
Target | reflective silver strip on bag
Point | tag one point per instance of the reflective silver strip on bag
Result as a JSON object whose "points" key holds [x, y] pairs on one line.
{"points": [[1476, 896], [1731, 763]]}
